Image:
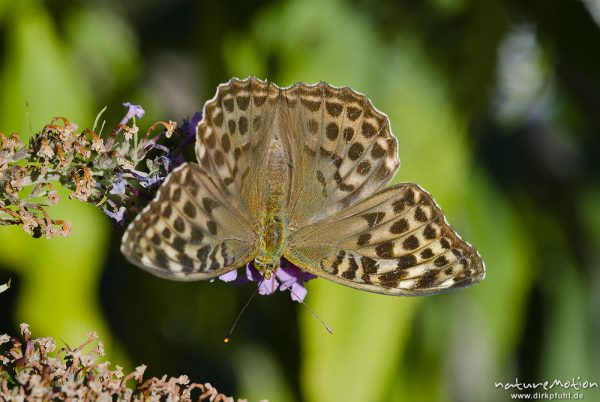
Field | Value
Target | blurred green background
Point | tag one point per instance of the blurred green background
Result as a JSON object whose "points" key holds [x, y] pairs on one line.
{"points": [[496, 106]]}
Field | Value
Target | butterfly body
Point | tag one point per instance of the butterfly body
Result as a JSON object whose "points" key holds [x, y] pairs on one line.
{"points": [[299, 173], [272, 243], [272, 228]]}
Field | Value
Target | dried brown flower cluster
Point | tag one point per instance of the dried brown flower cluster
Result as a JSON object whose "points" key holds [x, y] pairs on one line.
{"points": [[29, 371], [118, 173]]}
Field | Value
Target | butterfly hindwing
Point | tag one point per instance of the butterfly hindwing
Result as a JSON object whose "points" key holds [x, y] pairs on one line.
{"points": [[189, 231], [394, 242]]}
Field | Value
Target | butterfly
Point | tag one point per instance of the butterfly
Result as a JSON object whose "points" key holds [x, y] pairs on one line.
{"points": [[299, 173]]}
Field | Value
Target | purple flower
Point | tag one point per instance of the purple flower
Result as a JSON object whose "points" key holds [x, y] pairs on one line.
{"points": [[229, 276], [151, 180], [188, 130], [293, 278], [118, 186], [287, 277], [118, 215], [134, 111], [147, 181], [167, 161], [189, 127], [153, 145]]}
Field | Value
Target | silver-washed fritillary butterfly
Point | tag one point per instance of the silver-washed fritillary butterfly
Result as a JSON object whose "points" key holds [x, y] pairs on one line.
{"points": [[299, 173]]}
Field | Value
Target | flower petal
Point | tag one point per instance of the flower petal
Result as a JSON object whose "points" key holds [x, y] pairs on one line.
{"points": [[229, 276], [298, 292], [118, 216], [268, 286], [119, 185], [133, 111], [252, 273]]}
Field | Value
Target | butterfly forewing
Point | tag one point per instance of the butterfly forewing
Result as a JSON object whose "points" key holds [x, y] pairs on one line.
{"points": [[341, 150], [394, 242], [233, 141]]}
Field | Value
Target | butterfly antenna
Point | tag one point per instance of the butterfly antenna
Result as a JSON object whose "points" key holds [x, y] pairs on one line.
{"points": [[327, 327], [237, 319]]}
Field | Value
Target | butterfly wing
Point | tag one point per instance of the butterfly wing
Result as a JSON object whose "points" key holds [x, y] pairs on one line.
{"points": [[202, 222], [340, 147], [344, 226], [189, 231], [233, 141], [395, 242]]}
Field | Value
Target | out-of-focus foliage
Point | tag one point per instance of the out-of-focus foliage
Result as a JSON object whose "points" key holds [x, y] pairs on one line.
{"points": [[495, 106]]}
